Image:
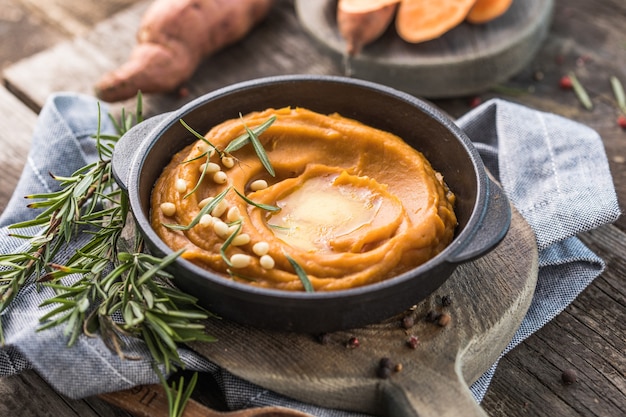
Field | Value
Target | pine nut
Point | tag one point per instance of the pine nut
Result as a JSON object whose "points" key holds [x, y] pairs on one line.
{"points": [[206, 220], [228, 161], [240, 260], [220, 177], [267, 262], [241, 239], [261, 248], [220, 228], [233, 214], [168, 209], [258, 185], [219, 209], [181, 185]]}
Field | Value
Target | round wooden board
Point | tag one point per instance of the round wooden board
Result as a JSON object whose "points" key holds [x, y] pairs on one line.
{"points": [[490, 297], [467, 60]]}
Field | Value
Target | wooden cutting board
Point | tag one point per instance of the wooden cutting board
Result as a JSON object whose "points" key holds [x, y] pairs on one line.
{"points": [[488, 299], [467, 60]]}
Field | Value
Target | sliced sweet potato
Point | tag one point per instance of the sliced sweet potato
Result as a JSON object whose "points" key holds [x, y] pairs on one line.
{"points": [[362, 6], [423, 20], [361, 22], [484, 11]]}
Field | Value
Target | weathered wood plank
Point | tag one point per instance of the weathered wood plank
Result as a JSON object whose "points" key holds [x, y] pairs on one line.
{"points": [[27, 395], [589, 336], [23, 33], [16, 125], [75, 64], [75, 18]]}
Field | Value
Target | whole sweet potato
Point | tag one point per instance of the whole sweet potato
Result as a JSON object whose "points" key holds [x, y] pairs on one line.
{"points": [[173, 38]]}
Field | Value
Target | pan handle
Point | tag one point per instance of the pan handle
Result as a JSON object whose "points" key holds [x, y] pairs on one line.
{"points": [[442, 393], [492, 228], [129, 146]]}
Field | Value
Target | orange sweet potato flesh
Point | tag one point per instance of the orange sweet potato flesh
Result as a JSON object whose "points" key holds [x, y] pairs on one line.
{"points": [[361, 22], [484, 11], [173, 38], [424, 20]]}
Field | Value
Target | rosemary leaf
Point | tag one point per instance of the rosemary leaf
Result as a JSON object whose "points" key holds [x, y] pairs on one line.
{"points": [[177, 397], [242, 140], [161, 328], [29, 223], [183, 396], [191, 314], [227, 243], [580, 92], [266, 207], [260, 151], [198, 135], [66, 306], [201, 178], [203, 155], [618, 91], [306, 283], [149, 274]]}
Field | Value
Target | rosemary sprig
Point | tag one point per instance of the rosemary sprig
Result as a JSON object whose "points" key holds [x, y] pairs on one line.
{"points": [[251, 135], [306, 283], [101, 289], [177, 397]]}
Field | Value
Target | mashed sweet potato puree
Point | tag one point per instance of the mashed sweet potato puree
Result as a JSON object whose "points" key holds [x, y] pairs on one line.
{"points": [[349, 204]]}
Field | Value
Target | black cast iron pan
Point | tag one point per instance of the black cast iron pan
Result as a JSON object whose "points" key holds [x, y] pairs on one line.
{"points": [[482, 210]]}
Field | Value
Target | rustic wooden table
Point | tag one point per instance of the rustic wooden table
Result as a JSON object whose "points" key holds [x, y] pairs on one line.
{"points": [[67, 44]]}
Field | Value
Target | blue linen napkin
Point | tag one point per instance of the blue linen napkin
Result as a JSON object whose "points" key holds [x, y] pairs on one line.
{"points": [[553, 170]]}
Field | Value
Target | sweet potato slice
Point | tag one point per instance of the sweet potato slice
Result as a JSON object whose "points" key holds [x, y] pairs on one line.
{"points": [[361, 22], [485, 10], [423, 20]]}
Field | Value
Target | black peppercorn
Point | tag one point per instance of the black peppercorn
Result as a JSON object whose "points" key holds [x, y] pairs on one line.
{"points": [[432, 316], [383, 372], [569, 376], [323, 338], [408, 322], [446, 300], [385, 368], [385, 363]]}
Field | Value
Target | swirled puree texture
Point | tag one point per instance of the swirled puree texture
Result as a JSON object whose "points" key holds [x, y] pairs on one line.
{"points": [[350, 204]]}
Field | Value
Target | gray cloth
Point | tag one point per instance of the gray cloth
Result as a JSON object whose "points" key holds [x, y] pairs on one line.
{"points": [[553, 170]]}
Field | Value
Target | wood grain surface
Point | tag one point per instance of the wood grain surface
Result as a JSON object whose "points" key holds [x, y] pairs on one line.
{"points": [[586, 37]]}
